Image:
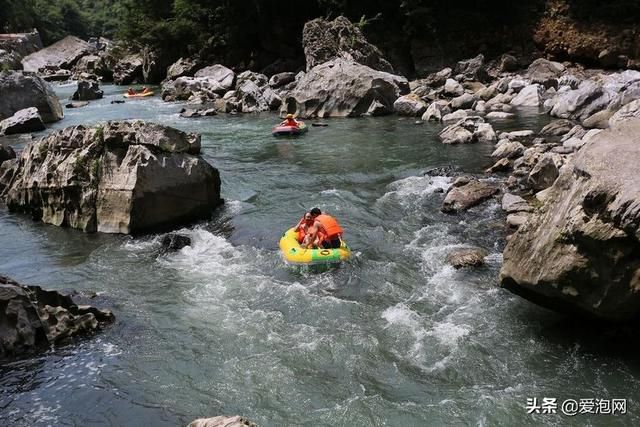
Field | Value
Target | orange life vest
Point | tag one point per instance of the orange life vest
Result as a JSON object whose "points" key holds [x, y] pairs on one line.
{"points": [[331, 225], [291, 122]]}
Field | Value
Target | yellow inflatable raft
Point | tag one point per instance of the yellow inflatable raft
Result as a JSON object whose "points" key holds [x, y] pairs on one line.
{"points": [[138, 95], [296, 254]]}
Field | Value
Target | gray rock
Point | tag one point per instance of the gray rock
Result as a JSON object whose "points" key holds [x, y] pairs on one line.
{"points": [[456, 134], [465, 100], [183, 67], [528, 97], [436, 111], [220, 74], [469, 195], [545, 172], [341, 88], [62, 54], [80, 104], [512, 204], [517, 134], [460, 181], [516, 220], [198, 111], [324, 41], [499, 115], [508, 63], [472, 69], [453, 88], [23, 121], [484, 133], [258, 79], [576, 132], [599, 120], [502, 165], [455, 116], [33, 319], [466, 257], [20, 91], [120, 177], [409, 105], [250, 97], [88, 90], [273, 100], [545, 72], [10, 60], [173, 242], [508, 149], [557, 127], [578, 253], [128, 69], [629, 111], [281, 79], [93, 64], [581, 103], [573, 144]]}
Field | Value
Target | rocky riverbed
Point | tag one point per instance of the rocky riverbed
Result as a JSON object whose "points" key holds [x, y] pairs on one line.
{"points": [[544, 157]]}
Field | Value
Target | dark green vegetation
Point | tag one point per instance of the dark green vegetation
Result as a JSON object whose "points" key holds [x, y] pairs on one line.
{"points": [[265, 35]]}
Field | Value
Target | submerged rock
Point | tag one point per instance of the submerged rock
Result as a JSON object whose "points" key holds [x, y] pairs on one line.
{"points": [[20, 91], [174, 242], [32, 318], [342, 88], [121, 177], [466, 257], [578, 253]]}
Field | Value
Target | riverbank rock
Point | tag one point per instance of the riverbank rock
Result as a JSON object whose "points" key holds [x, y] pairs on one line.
{"points": [[128, 69], [466, 196], [23, 121], [281, 79], [409, 105], [6, 153], [32, 318], [222, 421], [20, 91], [342, 88], [88, 90], [62, 54], [120, 177], [578, 253], [545, 72], [466, 257], [10, 60], [183, 67], [222, 75], [93, 64], [324, 40]]}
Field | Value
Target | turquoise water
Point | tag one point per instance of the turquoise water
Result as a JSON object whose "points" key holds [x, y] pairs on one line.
{"points": [[393, 337]]}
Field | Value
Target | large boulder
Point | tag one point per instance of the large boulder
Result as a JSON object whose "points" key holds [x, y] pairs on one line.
{"points": [[120, 177], [186, 88], [410, 105], [281, 79], [529, 96], [33, 319], [87, 90], [342, 88], [183, 67], [23, 121], [128, 69], [545, 72], [579, 251], [22, 44], [154, 65], [249, 97], [62, 54], [220, 74], [20, 91], [6, 153], [324, 40], [472, 69]]}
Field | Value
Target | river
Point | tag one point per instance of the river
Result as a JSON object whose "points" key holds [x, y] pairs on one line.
{"points": [[393, 337]]}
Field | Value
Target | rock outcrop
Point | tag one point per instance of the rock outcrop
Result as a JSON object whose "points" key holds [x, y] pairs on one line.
{"points": [[326, 40], [128, 69], [580, 252], [62, 54], [463, 197], [183, 67], [20, 91], [121, 177], [342, 88], [23, 121], [32, 318]]}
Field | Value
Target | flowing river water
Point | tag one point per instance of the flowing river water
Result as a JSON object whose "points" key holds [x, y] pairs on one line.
{"points": [[394, 337]]}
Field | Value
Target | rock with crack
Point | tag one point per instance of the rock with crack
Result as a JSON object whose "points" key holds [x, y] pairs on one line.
{"points": [[120, 177], [578, 253]]}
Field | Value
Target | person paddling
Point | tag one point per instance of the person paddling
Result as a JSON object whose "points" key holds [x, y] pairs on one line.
{"points": [[311, 233]]}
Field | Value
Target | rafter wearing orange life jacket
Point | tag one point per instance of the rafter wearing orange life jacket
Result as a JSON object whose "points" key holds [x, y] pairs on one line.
{"points": [[333, 232]]}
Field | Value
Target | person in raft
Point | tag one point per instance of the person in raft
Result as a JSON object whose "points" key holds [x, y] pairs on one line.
{"points": [[289, 121], [145, 89], [322, 230], [130, 91], [308, 231]]}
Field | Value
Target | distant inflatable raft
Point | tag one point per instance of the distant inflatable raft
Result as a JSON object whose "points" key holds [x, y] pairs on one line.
{"points": [[138, 95], [289, 130], [296, 254]]}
